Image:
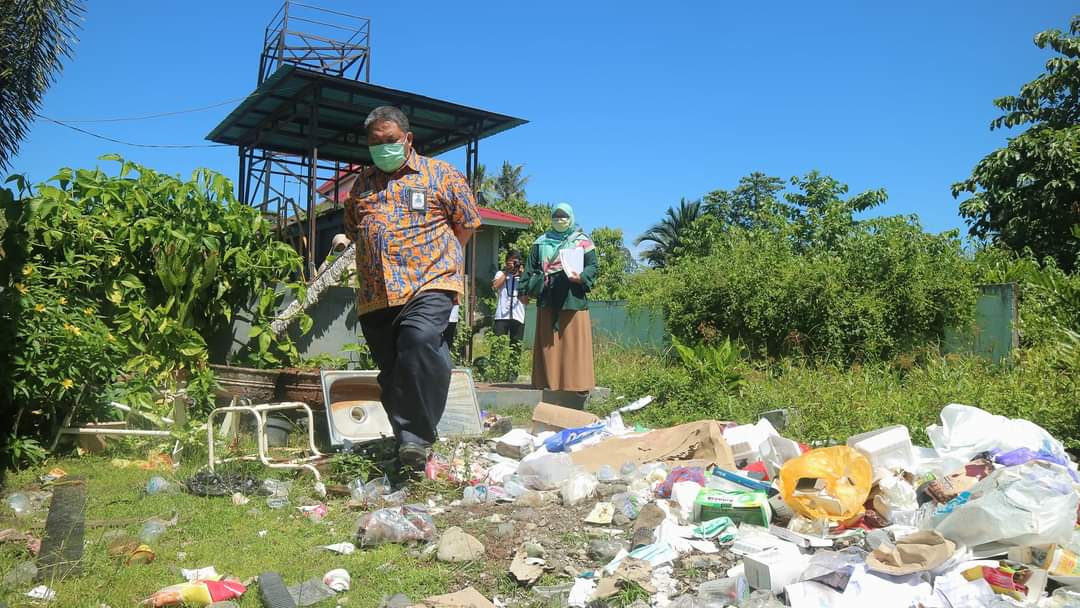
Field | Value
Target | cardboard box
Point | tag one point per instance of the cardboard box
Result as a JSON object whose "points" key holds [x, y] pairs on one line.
{"points": [[774, 569], [548, 417], [693, 444], [1059, 562], [741, 506]]}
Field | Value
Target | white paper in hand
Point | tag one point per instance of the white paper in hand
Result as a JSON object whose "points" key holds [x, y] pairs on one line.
{"points": [[573, 260]]}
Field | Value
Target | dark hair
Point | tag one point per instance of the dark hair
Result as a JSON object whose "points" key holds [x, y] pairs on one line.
{"points": [[387, 113], [512, 254]]}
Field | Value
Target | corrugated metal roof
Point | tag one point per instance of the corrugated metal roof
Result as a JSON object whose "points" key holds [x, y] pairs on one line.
{"points": [[294, 108]]}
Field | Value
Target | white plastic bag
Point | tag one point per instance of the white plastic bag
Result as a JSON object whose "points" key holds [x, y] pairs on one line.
{"points": [[966, 431], [547, 471], [1030, 504], [578, 488]]}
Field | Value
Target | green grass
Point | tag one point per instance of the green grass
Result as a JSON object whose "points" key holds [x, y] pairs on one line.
{"points": [[212, 531], [832, 402]]}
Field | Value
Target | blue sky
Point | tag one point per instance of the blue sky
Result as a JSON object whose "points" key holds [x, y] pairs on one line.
{"points": [[631, 105]]}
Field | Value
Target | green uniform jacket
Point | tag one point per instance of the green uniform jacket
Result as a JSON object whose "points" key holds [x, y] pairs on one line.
{"points": [[559, 293]]}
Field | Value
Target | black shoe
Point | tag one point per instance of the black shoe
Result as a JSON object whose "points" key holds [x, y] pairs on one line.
{"points": [[413, 456]]}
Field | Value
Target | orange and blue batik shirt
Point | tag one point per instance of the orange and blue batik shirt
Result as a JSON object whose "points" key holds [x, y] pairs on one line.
{"points": [[402, 224]]}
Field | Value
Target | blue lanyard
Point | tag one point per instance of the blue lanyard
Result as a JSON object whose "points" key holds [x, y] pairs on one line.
{"points": [[510, 285]]}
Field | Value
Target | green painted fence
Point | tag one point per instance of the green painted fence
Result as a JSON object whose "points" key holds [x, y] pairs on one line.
{"points": [[995, 332]]}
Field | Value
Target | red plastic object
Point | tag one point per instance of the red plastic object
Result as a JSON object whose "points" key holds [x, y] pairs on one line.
{"points": [[759, 468]]}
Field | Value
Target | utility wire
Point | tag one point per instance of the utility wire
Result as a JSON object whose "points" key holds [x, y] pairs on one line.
{"points": [[150, 116], [127, 143]]}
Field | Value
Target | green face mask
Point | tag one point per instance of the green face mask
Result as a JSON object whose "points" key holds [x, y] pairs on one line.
{"points": [[388, 157], [560, 224]]}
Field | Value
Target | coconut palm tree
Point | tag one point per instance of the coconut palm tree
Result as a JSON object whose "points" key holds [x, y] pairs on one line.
{"points": [[35, 37], [480, 180], [668, 232], [510, 183]]}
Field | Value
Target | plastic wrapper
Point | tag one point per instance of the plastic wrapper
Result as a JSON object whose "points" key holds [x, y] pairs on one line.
{"points": [[546, 472], [567, 438], [1029, 504], [206, 483], [397, 525], [627, 504], [578, 488], [198, 593], [894, 496], [695, 474], [837, 483]]}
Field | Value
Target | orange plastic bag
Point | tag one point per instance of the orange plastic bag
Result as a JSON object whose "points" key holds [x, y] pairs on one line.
{"points": [[835, 483]]}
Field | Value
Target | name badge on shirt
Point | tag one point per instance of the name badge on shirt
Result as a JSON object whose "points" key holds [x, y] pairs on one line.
{"points": [[417, 199]]}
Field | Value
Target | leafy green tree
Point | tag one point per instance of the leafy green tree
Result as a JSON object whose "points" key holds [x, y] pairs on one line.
{"points": [[667, 234], [35, 37], [819, 215], [1027, 194], [510, 183], [522, 239], [751, 202], [616, 264]]}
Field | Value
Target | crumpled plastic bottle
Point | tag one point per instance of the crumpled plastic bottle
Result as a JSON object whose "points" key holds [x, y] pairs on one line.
{"points": [[159, 485], [151, 531], [627, 504], [278, 493], [607, 473], [19, 503], [761, 599], [514, 486]]}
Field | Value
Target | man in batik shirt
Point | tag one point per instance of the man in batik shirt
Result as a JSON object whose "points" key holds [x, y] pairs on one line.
{"points": [[410, 217]]}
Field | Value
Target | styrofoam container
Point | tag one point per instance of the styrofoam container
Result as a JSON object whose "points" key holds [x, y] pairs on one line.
{"points": [[774, 569], [887, 449]]}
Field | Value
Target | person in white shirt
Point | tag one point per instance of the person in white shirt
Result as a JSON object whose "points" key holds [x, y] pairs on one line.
{"points": [[451, 327], [510, 303]]}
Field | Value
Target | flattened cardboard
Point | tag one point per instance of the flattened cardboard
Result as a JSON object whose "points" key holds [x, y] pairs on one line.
{"points": [[466, 598], [698, 442], [549, 417]]}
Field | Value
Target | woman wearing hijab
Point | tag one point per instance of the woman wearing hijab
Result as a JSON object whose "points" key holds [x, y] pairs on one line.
{"points": [[562, 350]]}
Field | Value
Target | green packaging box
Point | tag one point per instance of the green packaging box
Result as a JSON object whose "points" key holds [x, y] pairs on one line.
{"points": [[741, 506]]}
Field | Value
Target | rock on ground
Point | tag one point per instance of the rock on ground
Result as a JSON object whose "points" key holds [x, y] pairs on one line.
{"points": [[458, 546]]}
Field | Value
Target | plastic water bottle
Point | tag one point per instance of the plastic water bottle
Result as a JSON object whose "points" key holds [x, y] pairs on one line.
{"points": [[150, 532], [158, 485], [606, 473], [514, 486]]}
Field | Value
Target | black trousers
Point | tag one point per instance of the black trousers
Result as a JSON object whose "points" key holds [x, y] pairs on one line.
{"points": [[510, 327], [414, 363], [449, 334]]}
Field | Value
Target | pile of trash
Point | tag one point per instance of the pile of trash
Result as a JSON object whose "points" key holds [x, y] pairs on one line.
{"points": [[987, 516], [707, 514]]}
